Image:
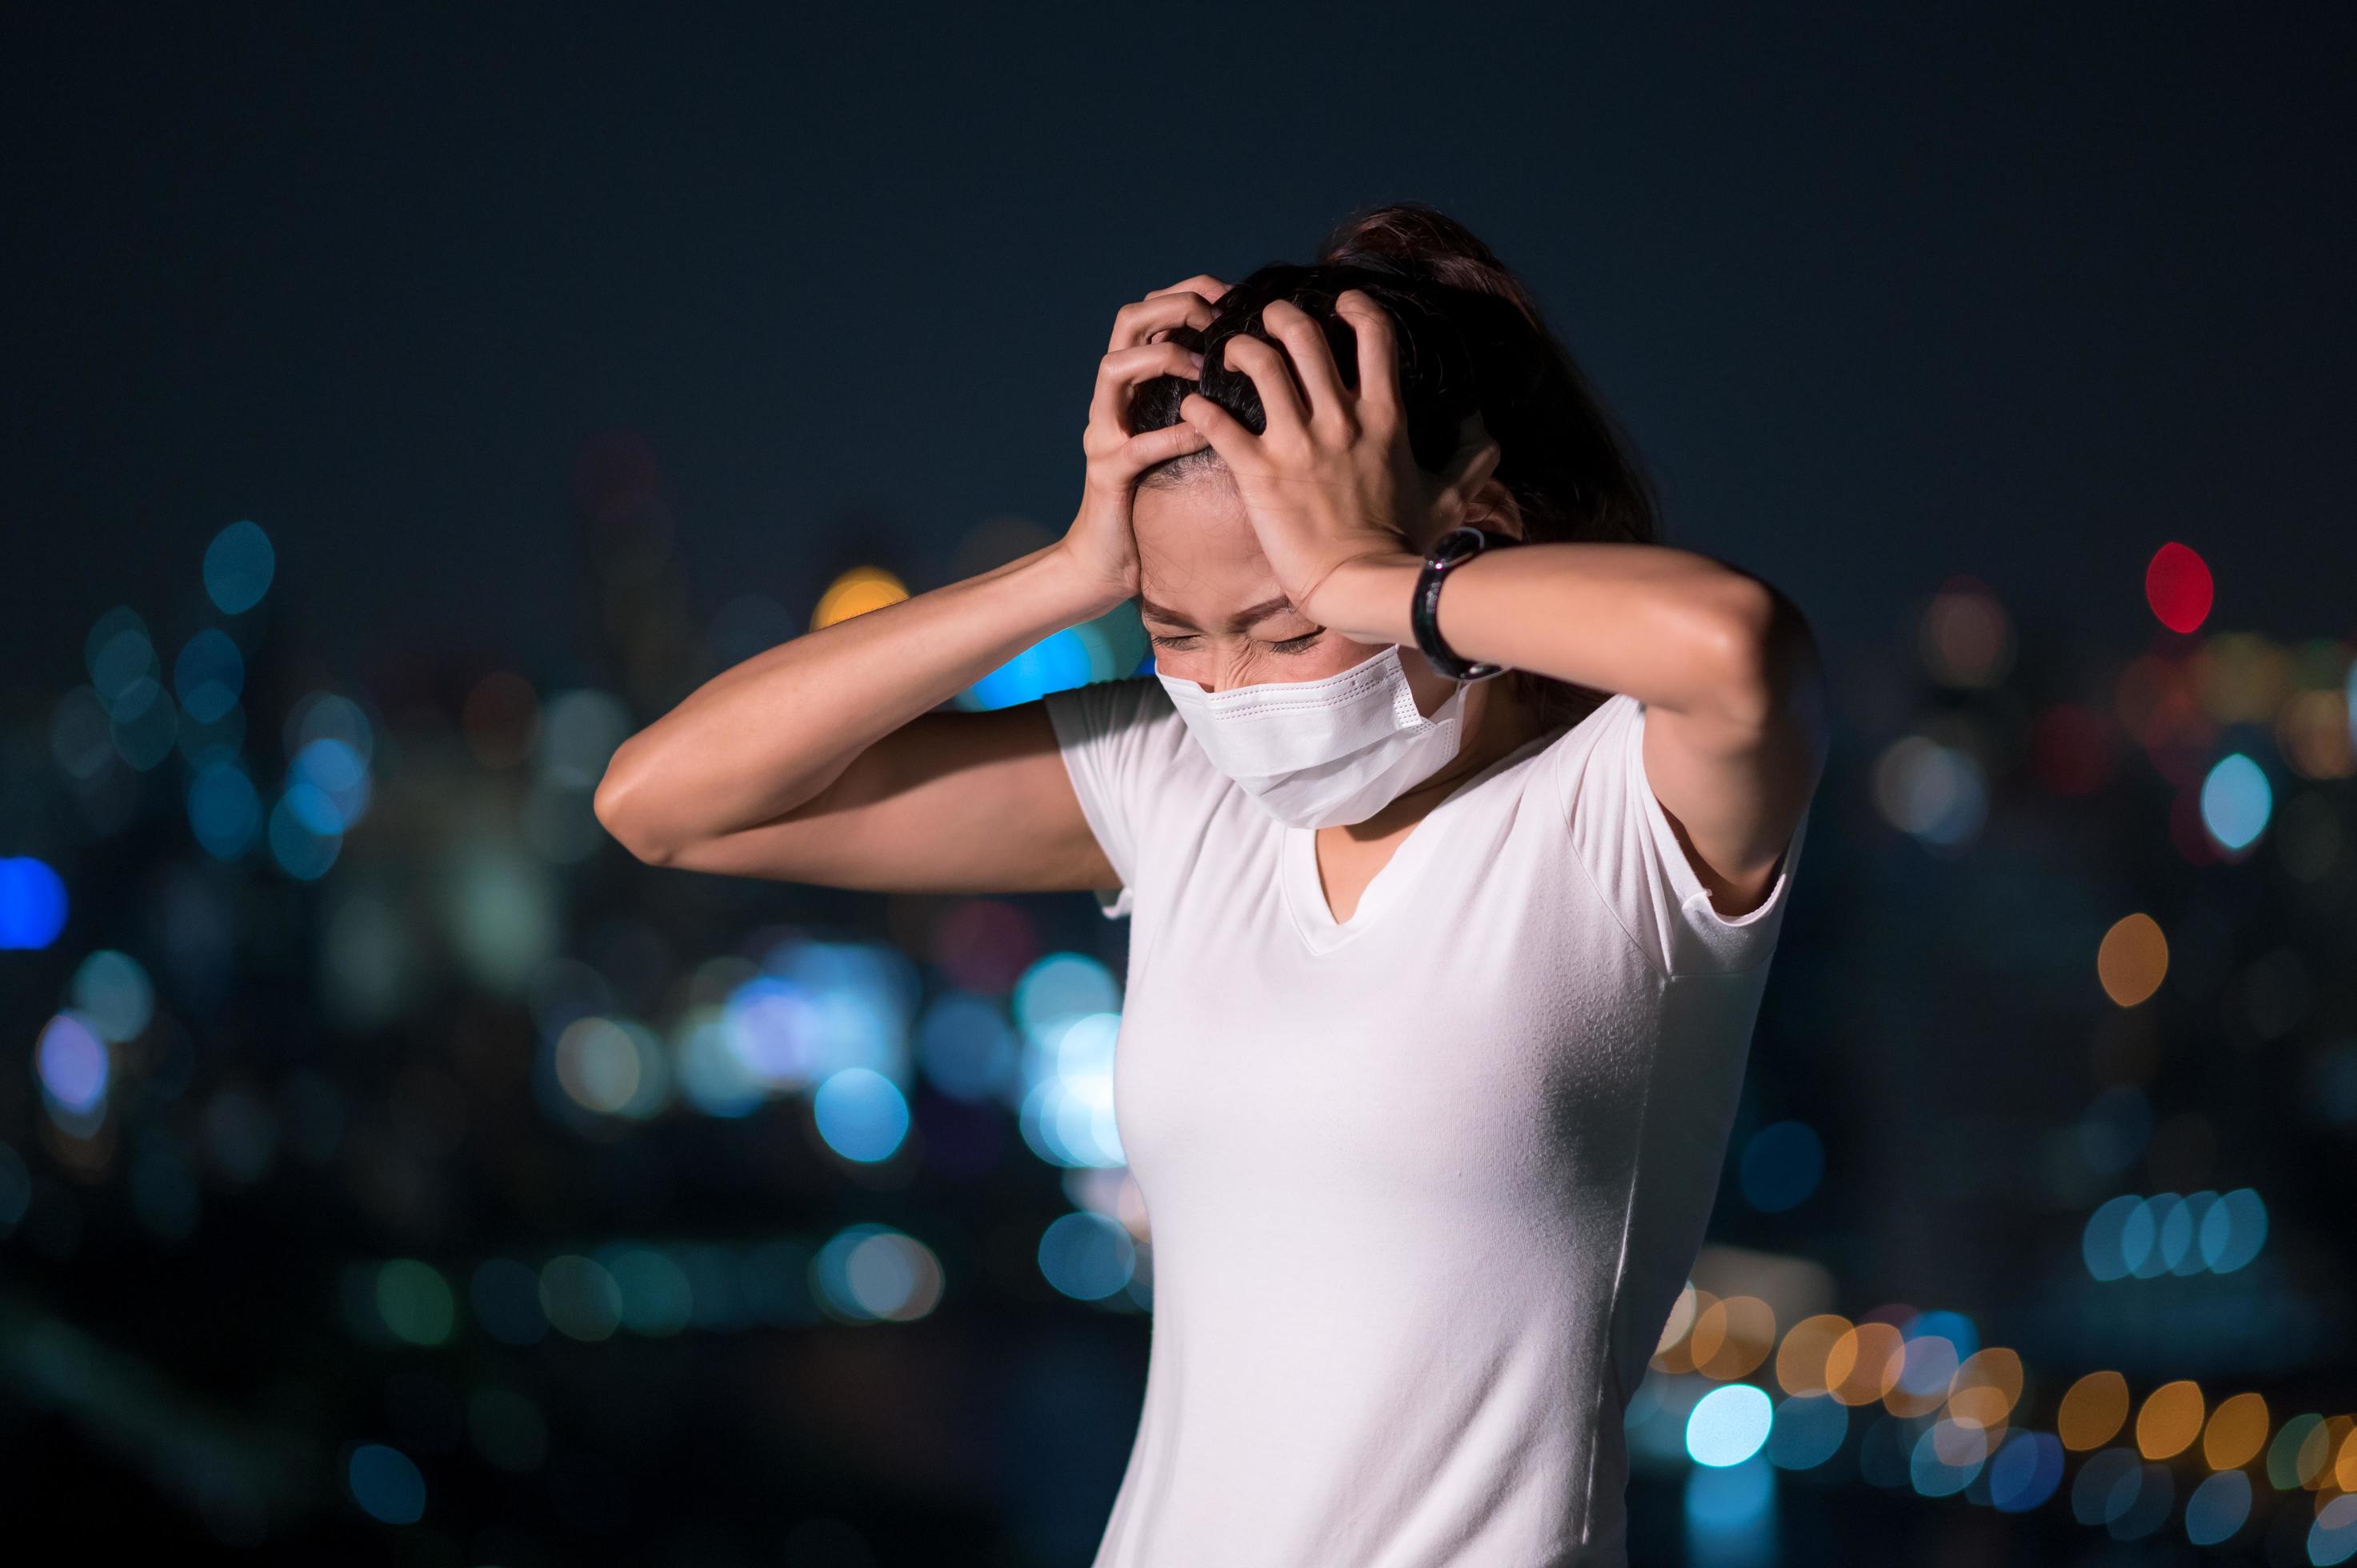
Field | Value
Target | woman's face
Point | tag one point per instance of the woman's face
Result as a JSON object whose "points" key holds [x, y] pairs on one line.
{"points": [[1213, 608]]}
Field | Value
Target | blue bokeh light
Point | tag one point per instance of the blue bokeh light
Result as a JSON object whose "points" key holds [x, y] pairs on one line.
{"points": [[224, 812], [1086, 1256], [32, 904], [385, 1483], [2218, 1507], [2235, 801], [239, 565], [1808, 1431], [968, 1049], [1052, 664], [210, 675], [73, 1062], [1729, 1424], [302, 839], [861, 1113], [1782, 1164], [2026, 1469]]}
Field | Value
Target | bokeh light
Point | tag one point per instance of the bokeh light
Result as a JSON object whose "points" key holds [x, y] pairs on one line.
{"points": [[2176, 586], [856, 591], [1781, 1165], [2093, 1410], [2132, 959], [2235, 801], [239, 566], [861, 1113], [1086, 1256], [1729, 1424], [385, 1483], [32, 904]]}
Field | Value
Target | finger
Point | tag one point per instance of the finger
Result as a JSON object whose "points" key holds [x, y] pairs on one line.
{"points": [[1223, 430], [1370, 324], [1265, 362], [1119, 374], [1203, 283], [1313, 360], [1136, 322], [1142, 452]]}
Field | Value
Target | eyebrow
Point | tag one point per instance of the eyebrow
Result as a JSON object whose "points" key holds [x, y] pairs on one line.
{"points": [[1242, 619]]}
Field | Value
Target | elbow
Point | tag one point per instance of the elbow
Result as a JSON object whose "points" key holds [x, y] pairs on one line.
{"points": [[1762, 656], [623, 816]]}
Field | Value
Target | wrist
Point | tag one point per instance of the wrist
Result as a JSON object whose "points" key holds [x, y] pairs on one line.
{"points": [[1368, 598], [1081, 592]]}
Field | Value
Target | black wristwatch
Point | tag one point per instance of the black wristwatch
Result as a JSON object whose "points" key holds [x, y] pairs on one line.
{"points": [[1424, 612]]}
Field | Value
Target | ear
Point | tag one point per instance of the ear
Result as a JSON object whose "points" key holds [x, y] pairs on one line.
{"points": [[1493, 507]]}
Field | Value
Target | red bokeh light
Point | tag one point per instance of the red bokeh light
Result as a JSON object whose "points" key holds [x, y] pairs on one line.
{"points": [[2177, 584]]}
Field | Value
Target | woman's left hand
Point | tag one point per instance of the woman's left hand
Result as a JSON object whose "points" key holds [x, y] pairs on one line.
{"points": [[1334, 482]]}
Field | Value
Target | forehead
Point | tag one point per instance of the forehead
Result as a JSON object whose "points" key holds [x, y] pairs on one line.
{"points": [[1197, 552]]}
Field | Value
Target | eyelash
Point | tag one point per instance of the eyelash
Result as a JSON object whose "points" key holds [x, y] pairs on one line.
{"points": [[1290, 645]]}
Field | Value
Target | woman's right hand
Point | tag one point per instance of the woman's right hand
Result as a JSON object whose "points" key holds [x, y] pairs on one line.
{"points": [[1099, 541]]}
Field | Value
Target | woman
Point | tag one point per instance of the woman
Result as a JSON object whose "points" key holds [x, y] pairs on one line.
{"points": [[1440, 986]]}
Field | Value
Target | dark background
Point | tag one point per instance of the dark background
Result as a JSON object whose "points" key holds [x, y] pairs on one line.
{"points": [[1888, 300]]}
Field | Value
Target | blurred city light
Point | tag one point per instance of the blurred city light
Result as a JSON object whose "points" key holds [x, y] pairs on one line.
{"points": [[2176, 586], [32, 904], [239, 565]]}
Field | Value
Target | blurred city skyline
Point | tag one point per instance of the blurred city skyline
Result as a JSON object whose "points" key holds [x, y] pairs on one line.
{"points": [[389, 1165], [2018, 295]]}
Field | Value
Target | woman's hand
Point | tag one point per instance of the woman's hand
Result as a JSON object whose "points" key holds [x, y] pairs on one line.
{"points": [[1334, 482], [1099, 540]]}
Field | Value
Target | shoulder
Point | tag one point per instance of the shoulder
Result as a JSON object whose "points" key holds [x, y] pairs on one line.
{"points": [[1129, 730]]}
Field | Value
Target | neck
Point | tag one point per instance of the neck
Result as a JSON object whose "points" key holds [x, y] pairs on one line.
{"points": [[1497, 723]]}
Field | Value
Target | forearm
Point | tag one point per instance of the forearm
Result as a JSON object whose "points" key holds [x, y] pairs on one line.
{"points": [[767, 735], [1677, 631]]}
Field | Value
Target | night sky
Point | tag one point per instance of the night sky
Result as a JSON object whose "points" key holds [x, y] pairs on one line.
{"points": [[1883, 297]]}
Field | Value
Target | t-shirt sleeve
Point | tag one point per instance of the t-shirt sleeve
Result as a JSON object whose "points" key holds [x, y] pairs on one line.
{"points": [[1108, 731], [1624, 841]]}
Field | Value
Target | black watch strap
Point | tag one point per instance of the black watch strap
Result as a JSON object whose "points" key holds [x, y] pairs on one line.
{"points": [[1461, 544]]}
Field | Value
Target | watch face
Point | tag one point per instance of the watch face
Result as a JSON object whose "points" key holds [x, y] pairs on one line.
{"points": [[1454, 543]]}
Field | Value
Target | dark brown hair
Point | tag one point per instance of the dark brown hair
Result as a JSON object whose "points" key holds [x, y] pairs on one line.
{"points": [[1470, 337]]}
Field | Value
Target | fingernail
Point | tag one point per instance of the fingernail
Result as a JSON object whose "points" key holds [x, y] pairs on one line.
{"points": [[1198, 358]]}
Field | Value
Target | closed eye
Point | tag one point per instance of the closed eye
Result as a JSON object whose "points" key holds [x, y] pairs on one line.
{"points": [[1290, 645]]}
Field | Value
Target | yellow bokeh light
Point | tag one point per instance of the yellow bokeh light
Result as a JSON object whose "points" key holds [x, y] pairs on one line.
{"points": [[2344, 1469], [1681, 1320], [2093, 1410], [2237, 1431], [1986, 1387], [1739, 1331], [2170, 1419], [1681, 1353], [1808, 1344], [2313, 1464], [2132, 959], [857, 591], [1864, 1363]]}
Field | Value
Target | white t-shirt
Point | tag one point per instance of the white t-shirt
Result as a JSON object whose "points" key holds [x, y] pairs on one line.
{"points": [[1421, 1186]]}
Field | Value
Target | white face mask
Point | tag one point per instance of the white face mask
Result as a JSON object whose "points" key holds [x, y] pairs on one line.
{"points": [[1321, 754]]}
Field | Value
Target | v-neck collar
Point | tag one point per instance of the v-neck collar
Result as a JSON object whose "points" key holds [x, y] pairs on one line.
{"points": [[1305, 894]]}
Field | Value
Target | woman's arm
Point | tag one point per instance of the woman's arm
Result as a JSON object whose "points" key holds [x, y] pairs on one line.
{"points": [[821, 760], [1727, 667], [786, 764]]}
